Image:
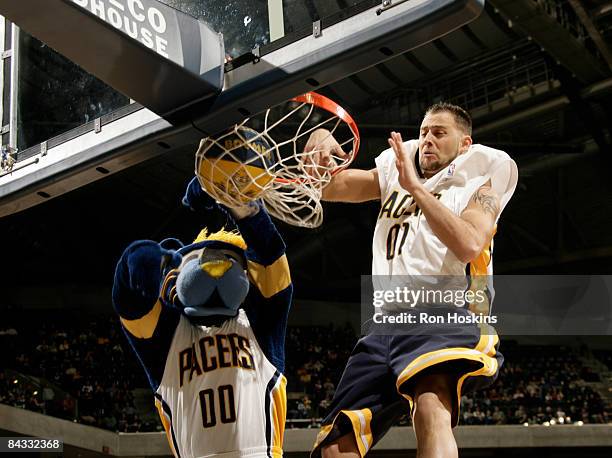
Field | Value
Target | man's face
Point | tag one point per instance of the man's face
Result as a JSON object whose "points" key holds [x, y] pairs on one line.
{"points": [[440, 142]]}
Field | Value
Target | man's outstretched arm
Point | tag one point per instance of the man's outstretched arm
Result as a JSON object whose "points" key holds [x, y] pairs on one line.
{"points": [[353, 186], [349, 185]]}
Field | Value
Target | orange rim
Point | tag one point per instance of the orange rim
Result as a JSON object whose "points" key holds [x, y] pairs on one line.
{"points": [[332, 107]]}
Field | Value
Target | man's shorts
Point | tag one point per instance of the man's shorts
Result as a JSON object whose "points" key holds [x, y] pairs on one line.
{"points": [[377, 386]]}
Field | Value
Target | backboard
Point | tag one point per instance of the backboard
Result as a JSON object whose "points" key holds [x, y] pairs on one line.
{"points": [[274, 50]]}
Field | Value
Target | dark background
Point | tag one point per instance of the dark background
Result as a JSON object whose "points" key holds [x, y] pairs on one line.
{"points": [[536, 77]]}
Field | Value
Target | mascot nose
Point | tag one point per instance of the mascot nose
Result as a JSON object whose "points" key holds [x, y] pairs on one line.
{"points": [[216, 268]]}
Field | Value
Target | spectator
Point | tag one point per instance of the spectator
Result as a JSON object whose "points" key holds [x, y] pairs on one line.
{"points": [[86, 360]]}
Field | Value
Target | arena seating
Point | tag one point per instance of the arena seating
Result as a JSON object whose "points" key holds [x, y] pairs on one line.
{"points": [[538, 384], [605, 357], [81, 368]]}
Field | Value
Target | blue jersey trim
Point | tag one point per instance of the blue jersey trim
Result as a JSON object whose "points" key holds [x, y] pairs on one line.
{"points": [[166, 409], [268, 401]]}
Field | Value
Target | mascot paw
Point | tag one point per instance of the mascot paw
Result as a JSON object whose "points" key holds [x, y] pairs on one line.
{"points": [[197, 199]]}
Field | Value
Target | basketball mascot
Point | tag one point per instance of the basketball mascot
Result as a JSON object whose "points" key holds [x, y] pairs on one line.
{"points": [[207, 321]]}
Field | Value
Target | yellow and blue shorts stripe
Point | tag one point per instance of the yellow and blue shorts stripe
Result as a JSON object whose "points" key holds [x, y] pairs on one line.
{"points": [[376, 386]]}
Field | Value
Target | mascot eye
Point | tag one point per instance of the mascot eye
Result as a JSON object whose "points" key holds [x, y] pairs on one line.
{"points": [[234, 256], [193, 255]]}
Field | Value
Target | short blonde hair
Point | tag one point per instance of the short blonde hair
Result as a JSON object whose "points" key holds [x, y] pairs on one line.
{"points": [[231, 237]]}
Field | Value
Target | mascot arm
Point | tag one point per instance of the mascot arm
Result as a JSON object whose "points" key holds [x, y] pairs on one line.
{"points": [[267, 306], [196, 199], [136, 287], [136, 300], [268, 266], [268, 318]]}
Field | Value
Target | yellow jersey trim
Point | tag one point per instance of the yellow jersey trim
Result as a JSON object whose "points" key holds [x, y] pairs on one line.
{"points": [[166, 424], [279, 414]]}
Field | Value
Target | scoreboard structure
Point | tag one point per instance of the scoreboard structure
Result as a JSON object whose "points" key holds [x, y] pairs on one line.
{"points": [[91, 87]]}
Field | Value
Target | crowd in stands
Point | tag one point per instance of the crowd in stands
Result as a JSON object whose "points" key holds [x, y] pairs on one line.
{"points": [[316, 356], [86, 372], [538, 385], [605, 357], [76, 371]]}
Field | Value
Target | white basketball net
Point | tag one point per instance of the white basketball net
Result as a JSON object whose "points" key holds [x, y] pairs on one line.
{"points": [[245, 179], [302, 162]]}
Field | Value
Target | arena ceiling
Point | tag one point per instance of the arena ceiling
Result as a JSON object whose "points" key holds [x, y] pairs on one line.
{"points": [[535, 74]]}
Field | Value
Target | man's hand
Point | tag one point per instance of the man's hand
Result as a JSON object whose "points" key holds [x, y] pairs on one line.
{"points": [[408, 178], [319, 152], [348, 185]]}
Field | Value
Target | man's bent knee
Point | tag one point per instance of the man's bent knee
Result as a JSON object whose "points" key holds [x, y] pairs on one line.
{"points": [[343, 447], [431, 412], [434, 400]]}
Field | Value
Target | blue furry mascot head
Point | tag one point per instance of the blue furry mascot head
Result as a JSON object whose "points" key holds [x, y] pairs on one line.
{"points": [[205, 278], [211, 278]]}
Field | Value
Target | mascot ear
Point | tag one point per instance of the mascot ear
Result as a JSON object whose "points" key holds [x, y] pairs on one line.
{"points": [[171, 244], [171, 259], [140, 267]]}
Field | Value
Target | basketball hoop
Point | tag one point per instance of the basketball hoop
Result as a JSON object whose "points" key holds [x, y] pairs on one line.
{"points": [[282, 155]]}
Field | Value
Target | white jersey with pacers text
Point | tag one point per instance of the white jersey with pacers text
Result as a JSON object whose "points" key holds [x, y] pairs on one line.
{"points": [[219, 394], [404, 244]]}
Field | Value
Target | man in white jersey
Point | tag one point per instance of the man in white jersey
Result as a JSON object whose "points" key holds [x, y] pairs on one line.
{"points": [[207, 321], [441, 198]]}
